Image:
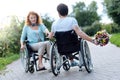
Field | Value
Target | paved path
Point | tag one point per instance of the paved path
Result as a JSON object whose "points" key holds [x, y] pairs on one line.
{"points": [[106, 62]]}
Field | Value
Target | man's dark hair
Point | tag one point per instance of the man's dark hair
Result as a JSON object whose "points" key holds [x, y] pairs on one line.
{"points": [[62, 9]]}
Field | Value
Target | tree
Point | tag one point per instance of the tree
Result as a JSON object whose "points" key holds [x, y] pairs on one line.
{"points": [[92, 7], [113, 9], [47, 21], [85, 15], [10, 37]]}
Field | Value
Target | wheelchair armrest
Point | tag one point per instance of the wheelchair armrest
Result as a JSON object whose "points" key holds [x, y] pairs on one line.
{"points": [[26, 41]]}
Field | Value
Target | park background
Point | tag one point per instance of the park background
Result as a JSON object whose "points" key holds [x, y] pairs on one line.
{"points": [[92, 16]]}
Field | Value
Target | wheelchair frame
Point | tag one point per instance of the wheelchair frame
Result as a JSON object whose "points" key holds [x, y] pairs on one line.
{"points": [[29, 58], [84, 58]]}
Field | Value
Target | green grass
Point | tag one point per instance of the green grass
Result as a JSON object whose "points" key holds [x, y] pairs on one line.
{"points": [[115, 39], [4, 61]]}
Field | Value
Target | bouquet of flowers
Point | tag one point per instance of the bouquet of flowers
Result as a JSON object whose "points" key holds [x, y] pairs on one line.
{"points": [[102, 37]]}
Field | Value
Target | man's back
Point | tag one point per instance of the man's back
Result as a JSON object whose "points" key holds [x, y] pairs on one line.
{"points": [[67, 42]]}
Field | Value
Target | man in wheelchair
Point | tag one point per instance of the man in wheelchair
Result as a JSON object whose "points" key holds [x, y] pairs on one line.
{"points": [[67, 43], [34, 31], [66, 31]]}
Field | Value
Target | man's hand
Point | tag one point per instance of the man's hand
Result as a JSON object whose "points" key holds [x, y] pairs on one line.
{"points": [[94, 41]]}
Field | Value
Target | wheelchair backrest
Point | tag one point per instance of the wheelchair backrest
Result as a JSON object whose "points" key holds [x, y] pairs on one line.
{"points": [[67, 42]]}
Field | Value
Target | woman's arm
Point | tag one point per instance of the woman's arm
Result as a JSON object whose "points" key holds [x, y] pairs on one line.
{"points": [[23, 36], [47, 32]]}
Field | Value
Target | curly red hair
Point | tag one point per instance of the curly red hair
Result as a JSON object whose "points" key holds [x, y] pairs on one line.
{"points": [[39, 19]]}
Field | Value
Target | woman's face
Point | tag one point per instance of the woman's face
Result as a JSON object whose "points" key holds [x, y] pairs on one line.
{"points": [[33, 19]]}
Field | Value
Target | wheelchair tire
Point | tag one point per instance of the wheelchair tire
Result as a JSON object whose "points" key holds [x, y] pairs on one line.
{"points": [[24, 59], [66, 66], [85, 51], [54, 60], [31, 69]]}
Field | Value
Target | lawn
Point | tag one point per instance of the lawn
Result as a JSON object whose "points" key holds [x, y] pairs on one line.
{"points": [[7, 60], [115, 39]]}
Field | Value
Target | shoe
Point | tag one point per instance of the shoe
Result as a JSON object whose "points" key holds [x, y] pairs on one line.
{"points": [[43, 68], [74, 63]]}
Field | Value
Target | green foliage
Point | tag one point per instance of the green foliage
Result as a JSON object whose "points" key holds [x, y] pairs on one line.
{"points": [[96, 26], [115, 39], [47, 21], [89, 30], [113, 9], [85, 16], [111, 28], [115, 28], [92, 7], [9, 38], [80, 6], [107, 27], [7, 60]]}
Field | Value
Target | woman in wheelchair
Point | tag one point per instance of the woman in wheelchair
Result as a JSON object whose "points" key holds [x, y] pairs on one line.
{"points": [[63, 28], [34, 30]]}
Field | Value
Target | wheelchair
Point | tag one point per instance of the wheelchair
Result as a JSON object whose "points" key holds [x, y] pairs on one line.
{"points": [[29, 58], [66, 47]]}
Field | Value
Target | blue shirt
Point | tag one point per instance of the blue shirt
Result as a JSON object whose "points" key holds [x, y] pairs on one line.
{"points": [[33, 36]]}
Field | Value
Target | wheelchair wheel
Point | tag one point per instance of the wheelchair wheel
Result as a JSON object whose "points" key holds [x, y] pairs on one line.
{"points": [[24, 59], [55, 60], [86, 56]]}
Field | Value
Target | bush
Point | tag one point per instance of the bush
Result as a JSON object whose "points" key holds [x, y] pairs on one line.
{"points": [[115, 28], [9, 37], [91, 30], [111, 28], [107, 27], [115, 39]]}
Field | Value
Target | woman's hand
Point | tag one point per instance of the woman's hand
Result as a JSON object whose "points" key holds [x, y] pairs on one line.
{"points": [[22, 47], [50, 36]]}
